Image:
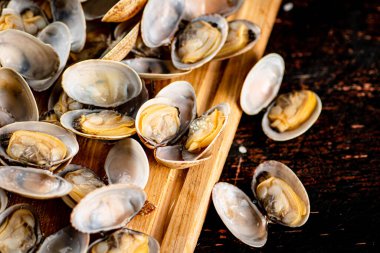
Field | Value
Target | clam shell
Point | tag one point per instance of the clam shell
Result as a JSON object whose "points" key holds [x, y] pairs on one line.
{"points": [[160, 21], [220, 23], [56, 34], [262, 84], [154, 69], [242, 218], [33, 183], [101, 83], [27, 55], [124, 10], [280, 170], [65, 136], [65, 240], [196, 8], [3, 200], [107, 208], [16, 98], [127, 163], [291, 134], [71, 13]]}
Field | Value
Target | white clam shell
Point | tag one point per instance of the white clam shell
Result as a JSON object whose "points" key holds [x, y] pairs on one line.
{"points": [[107, 208], [101, 83], [33, 183], [221, 24], [127, 163], [239, 214]]}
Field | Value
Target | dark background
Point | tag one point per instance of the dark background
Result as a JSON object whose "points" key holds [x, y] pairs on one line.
{"points": [[333, 48]]}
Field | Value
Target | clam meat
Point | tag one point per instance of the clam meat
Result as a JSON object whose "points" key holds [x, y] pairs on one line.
{"points": [[65, 104], [9, 19]]}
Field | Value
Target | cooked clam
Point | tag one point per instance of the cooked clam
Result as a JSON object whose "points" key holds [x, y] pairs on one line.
{"points": [[65, 240], [10, 19], [99, 124], [83, 180], [65, 104], [3, 200], [196, 8], [199, 42], [107, 208], [19, 229], [33, 183], [127, 241]]}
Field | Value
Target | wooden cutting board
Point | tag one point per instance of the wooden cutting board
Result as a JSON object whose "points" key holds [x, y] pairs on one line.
{"points": [[181, 197]]}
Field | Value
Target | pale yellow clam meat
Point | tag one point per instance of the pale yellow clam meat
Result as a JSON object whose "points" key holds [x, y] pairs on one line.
{"points": [[159, 122], [11, 21], [17, 232], [65, 104], [238, 37], [292, 109], [198, 40], [36, 147], [280, 201], [105, 123], [32, 23], [203, 131]]}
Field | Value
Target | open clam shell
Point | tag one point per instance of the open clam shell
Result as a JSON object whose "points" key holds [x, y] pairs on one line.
{"points": [[67, 138], [22, 238], [239, 214], [101, 83], [27, 55], [155, 69], [71, 13], [283, 172], [17, 102], [160, 21], [196, 8], [126, 239], [33, 183], [127, 163], [65, 239], [177, 157], [124, 10], [238, 43], [216, 21], [3, 200], [107, 208]]}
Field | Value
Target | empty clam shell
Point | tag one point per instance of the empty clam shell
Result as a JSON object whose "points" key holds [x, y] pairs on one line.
{"points": [[281, 171], [124, 10], [3, 200], [107, 208], [101, 83], [127, 163], [210, 31], [239, 214], [71, 13], [17, 102], [155, 69], [27, 55], [33, 183], [196, 8], [160, 21], [65, 240]]}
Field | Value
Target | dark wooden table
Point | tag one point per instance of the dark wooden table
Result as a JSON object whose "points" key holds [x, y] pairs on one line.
{"points": [[333, 48]]}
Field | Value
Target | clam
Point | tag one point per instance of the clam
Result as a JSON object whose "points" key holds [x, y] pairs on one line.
{"points": [[107, 208], [17, 102], [203, 134], [101, 83], [3, 200], [83, 180], [127, 163], [99, 124], [196, 8], [57, 35], [199, 42], [27, 55], [63, 104], [71, 13], [279, 193], [33, 183], [165, 118], [65, 240], [124, 10], [10, 19], [127, 241], [160, 21], [242, 37], [36, 144], [154, 69], [19, 229]]}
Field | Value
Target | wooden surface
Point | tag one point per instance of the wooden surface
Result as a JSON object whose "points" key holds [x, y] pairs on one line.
{"points": [[332, 48], [181, 197]]}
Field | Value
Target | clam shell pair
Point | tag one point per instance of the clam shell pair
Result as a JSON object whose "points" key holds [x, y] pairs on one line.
{"points": [[261, 86], [243, 218]]}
